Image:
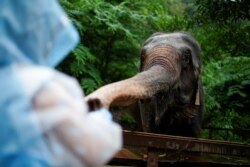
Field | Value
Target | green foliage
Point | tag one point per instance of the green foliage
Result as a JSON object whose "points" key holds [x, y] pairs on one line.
{"points": [[109, 33], [223, 30], [226, 84], [79, 65], [223, 10], [128, 118], [167, 16], [220, 41]]}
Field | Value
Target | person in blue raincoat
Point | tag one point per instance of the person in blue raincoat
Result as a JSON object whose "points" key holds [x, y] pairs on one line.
{"points": [[43, 118]]}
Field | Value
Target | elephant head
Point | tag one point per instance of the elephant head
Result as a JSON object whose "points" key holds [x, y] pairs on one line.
{"points": [[168, 87]]}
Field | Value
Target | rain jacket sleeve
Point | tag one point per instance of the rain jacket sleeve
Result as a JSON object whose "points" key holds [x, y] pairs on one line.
{"points": [[43, 118]]}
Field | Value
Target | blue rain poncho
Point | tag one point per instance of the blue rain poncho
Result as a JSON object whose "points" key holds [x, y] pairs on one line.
{"points": [[43, 118]]}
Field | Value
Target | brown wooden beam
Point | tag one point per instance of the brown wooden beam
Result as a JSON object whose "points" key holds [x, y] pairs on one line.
{"points": [[167, 142]]}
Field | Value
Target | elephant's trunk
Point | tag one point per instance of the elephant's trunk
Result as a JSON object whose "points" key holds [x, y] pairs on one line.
{"points": [[160, 71]]}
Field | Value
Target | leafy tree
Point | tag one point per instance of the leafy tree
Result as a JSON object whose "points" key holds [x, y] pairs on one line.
{"points": [[227, 83], [223, 29], [223, 10], [110, 40], [220, 41]]}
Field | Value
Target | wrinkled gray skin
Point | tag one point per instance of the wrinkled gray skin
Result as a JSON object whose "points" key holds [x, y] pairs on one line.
{"points": [[168, 87]]}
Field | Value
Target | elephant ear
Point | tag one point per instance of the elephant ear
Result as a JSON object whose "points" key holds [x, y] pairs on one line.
{"points": [[193, 46], [190, 60]]}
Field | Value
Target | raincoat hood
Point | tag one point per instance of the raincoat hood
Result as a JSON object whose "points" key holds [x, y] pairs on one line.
{"points": [[44, 121], [34, 32]]}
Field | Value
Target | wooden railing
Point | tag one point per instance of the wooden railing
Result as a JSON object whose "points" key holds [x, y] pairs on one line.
{"points": [[152, 150]]}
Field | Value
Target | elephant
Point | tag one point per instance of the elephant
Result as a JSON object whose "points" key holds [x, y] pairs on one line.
{"points": [[168, 88]]}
